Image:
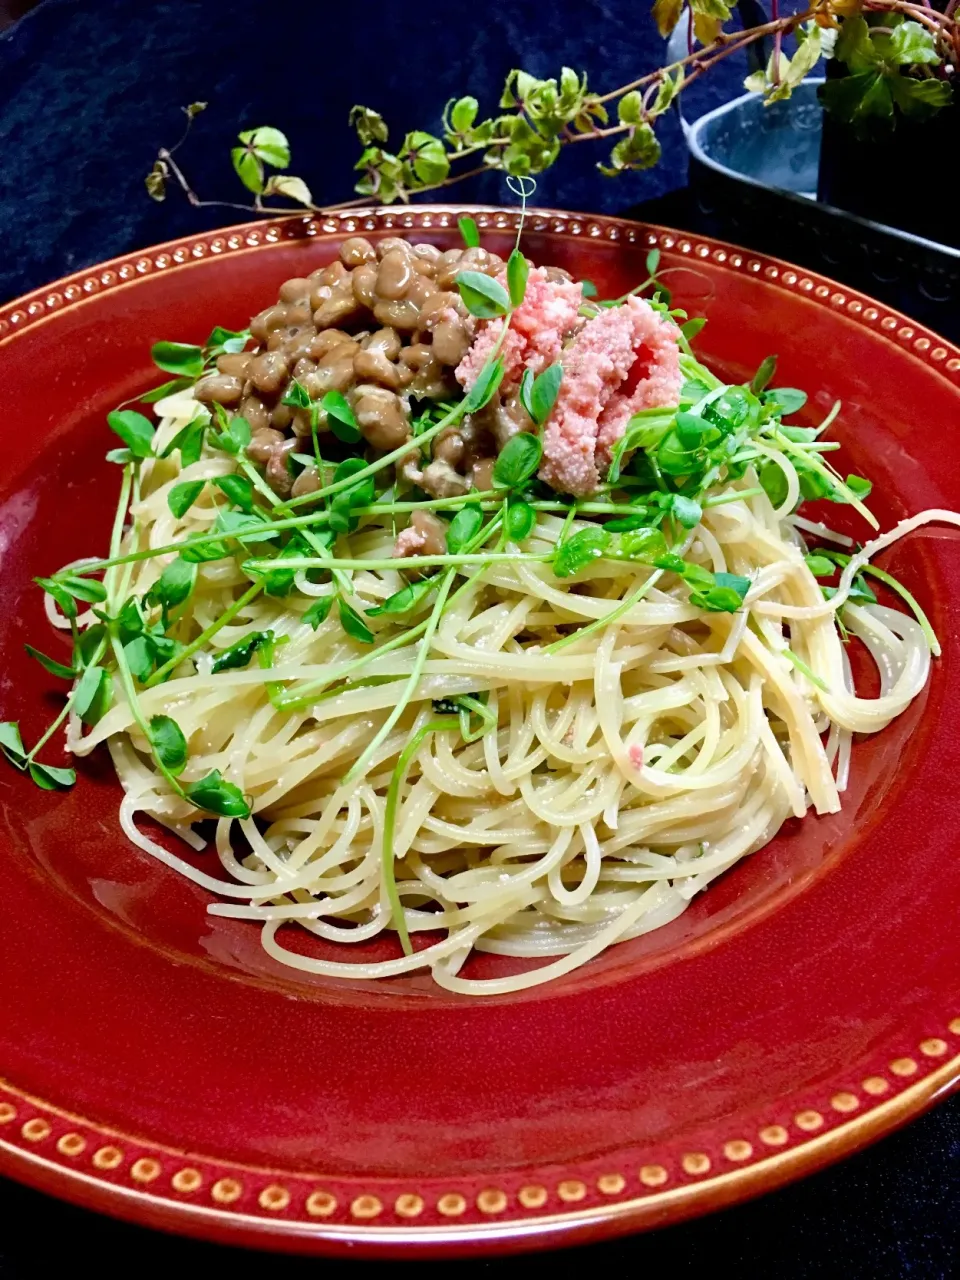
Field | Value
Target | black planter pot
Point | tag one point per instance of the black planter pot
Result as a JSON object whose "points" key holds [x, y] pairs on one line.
{"points": [[894, 176]]}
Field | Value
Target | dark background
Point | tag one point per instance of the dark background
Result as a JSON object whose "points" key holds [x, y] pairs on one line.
{"points": [[89, 89]]}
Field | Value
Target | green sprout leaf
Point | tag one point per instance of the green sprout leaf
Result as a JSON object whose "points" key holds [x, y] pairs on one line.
{"points": [[580, 550], [820, 566], [342, 422], [58, 669], [189, 440], [521, 518], [51, 778], [406, 598], [92, 695], [241, 651], [483, 296], [353, 624], [464, 527], [181, 358], [785, 400], [169, 744], [238, 489], [214, 794], [165, 389], [139, 656], [518, 270], [182, 496], [486, 386], [11, 744], [761, 379], [687, 512], [296, 395], [134, 430], [539, 394], [65, 601], [518, 461], [175, 584], [470, 232], [318, 612]]}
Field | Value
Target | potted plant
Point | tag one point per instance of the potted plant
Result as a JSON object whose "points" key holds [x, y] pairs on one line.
{"points": [[889, 95]]}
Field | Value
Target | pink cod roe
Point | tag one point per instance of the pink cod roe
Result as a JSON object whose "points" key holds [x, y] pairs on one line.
{"points": [[624, 360], [548, 313]]}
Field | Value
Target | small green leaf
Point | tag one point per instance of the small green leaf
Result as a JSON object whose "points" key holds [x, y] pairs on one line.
{"points": [[353, 624], [859, 487], [463, 528], [296, 395], [120, 456], [88, 642], [238, 489], [10, 741], [285, 184], [165, 389], [55, 668], [182, 496], [92, 695], [518, 461], [234, 435], [342, 422], [189, 440], [241, 651], [910, 44], [182, 358], [653, 261], [463, 113], [785, 400], [90, 590], [406, 598], [268, 144], [761, 379], [318, 612], [214, 794], [134, 430], [225, 341], [630, 109], [470, 232], [129, 620], [692, 327], [169, 744], [589, 288], [647, 545], [139, 657], [486, 386], [579, 550], [68, 606], [820, 566], [175, 584], [518, 269], [50, 778], [521, 518], [687, 512], [544, 392], [482, 295], [774, 483]]}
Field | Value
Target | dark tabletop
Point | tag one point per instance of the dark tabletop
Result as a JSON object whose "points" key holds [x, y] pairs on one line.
{"points": [[89, 89]]}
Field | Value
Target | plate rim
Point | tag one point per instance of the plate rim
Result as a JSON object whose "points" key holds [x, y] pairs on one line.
{"points": [[29, 1125]]}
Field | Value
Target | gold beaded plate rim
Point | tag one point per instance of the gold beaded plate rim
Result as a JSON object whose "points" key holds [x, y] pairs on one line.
{"points": [[137, 1178]]}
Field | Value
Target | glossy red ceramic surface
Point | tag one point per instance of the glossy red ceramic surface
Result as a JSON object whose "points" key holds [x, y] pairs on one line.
{"points": [[157, 1065]]}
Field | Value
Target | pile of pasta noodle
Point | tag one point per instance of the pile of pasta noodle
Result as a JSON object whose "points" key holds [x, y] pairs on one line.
{"points": [[619, 774]]}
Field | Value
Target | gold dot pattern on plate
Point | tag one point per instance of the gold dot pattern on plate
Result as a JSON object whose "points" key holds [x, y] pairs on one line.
{"points": [[492, 1200], [72, 1144], [8, 1112], [571, 1190], [452, 1205], [275, 1198], [109, 1157], [408, 1205], [36, 1130], [934, 1047], [808, 1120], [903, 1067], [737, 1150], [226, 1190], [696, 1163], [146, 1169], [532, 1197], [187, 1180], [875, 1086], [774, 1135], [365, 1207], [844, 1102], [611, 1184], [321, 1204], [653, 1175]]}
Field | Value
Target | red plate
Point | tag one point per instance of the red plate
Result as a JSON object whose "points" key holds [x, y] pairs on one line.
{"points": [[157, 1065]]}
